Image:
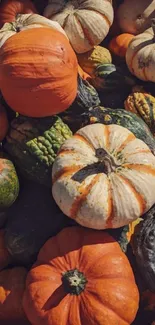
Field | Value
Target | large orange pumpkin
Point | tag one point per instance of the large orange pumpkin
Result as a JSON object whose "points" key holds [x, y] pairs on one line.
{"points": [[81, 277], [4, 124], [12, 284], [9, 9], [38, 72]]}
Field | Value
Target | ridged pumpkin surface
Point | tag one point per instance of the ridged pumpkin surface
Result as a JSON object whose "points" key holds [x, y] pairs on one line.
{"points": [[104, 177], [142, 104], [38, 72], [103, 284]]}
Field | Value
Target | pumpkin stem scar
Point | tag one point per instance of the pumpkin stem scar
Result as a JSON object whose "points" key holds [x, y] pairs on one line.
{"points": [[74, 282]]}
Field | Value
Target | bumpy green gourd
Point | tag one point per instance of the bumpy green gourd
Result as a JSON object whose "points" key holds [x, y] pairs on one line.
{"points": [[9, 184], [33, 144], [142, 104]]}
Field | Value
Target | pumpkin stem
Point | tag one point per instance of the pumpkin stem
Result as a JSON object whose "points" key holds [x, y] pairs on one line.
{"points": [[106, 160], [74, 282]]}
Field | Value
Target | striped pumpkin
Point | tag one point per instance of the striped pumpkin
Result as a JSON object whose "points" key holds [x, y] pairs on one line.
{"points": [[104, 177], [142, 104], [86, 22]]}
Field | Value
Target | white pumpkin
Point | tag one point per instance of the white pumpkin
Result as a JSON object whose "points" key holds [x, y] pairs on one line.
{"points": [[134, 16], [104, 177], [26, 21], [86, 22], [140, 55]]}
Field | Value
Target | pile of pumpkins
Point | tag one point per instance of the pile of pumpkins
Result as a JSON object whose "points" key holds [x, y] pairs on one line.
{"points": [[77, 162]]}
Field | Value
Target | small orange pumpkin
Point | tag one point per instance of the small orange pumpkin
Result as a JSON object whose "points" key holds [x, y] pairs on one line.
{"points": [[9, 9], [4, 124], [5, 257], [38, 72], [81, 277], [119, 44], [12, 285]]}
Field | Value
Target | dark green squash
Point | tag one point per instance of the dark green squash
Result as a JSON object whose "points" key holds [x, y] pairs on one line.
{"points": [[111, 77], [87, 97], [143, 245], [115, 116], [9, 184], [31, 220], [33, 144]]}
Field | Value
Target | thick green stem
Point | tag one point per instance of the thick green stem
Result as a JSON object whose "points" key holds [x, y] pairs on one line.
{"points": [[74, 282]]}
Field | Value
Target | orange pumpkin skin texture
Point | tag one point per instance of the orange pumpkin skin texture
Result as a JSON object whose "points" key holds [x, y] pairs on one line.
{"points": [[4, 124], [119, 44], [107, 287], [12, 284], [5, 257], [38, 72], [9, 9]]}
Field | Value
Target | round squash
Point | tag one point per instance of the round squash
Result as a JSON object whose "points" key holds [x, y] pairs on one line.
{"points": [[91, 59], [47, 82], [12, 285], [109, 116], [135, 16], [142, 104], [9, 9], [5, 257], [119, 44], [111, 77], [86, 22], [33, 144], [4, 124], [143, 245], [9, 184], [31, 222], [140, 55], [72, 288], [104, 177]]}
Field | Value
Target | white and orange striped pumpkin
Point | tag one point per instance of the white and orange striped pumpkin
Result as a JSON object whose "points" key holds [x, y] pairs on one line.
{"points": [[86, 22], [140, 55], [104, 177]]}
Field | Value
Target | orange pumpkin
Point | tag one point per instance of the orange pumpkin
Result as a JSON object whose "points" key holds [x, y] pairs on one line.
{"points": [[4, 124], [9, 9], [38, 72], [5, 257], [81, 277], [12, 284], [119, 44]]}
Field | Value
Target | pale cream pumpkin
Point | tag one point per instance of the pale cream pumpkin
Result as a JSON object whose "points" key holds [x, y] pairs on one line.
{"points": [[86, 22], [26, 21], [134, 17], [104, 177], [140, 55]]}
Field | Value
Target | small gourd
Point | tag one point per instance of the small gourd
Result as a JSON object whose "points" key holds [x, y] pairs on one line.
{"points": [[91, 59], [142, 104]]}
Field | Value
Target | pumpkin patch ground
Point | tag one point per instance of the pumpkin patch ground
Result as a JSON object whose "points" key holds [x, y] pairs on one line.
{"points": [[77, 162]]}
